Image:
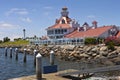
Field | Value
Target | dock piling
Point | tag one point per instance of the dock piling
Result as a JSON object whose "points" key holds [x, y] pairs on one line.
{"points": [[52, 57], [39, 66], [10, 52], [16, 53], [24, 59], [35, 53], [6, 51]]}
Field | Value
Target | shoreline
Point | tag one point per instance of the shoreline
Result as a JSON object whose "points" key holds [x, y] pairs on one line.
{"points": [[87, 53]]}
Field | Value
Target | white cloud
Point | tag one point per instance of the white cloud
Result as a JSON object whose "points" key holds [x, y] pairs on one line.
{"points": [[91, 16], [13, 36], [10, 30], [48, 7], [46, 13], [27, 19], [1, 33], [4, 25], [17, 11], [47, 10]]}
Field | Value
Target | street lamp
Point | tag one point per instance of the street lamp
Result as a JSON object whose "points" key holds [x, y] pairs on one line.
{"points": [[24, 33]]}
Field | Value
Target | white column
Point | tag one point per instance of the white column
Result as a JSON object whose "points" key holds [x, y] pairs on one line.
{"points": [[39, 66], [52, 57], [16, 53], [10, 52]]}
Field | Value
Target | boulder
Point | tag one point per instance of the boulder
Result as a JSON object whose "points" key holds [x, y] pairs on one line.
{"points": [[108, 63], [84, 55], [95, 49], [94, 54], [103, 53], [70, 47], [72, 53], [117, 50], [103, 48], [116, 60], [97, 57], [88, 49], [89, 53], [113, 54]]}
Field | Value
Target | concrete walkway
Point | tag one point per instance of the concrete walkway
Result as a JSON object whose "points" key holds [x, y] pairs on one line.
{"points": [[51, 76]]}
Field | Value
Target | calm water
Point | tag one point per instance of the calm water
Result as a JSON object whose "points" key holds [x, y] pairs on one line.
{"points": [[10, 68]]}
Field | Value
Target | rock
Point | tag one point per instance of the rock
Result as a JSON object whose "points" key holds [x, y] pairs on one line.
{"points": [[72, 53], [116, 60], [95, 49], [108, 63], [75, 53], [118, 49], [76, 48], [103, 48], [70, 47], [89, 53], [94, 54], [84, 55], [103, 53], [88, 49], [113, 54], [85, 47], [97, 57]]}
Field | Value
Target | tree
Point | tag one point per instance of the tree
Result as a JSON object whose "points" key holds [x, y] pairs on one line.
{"points": [[0, 41], [6, 39], [17, 39]]}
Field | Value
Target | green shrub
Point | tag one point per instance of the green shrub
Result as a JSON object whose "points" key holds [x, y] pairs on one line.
{"points": [[112, 40], [110, 46], [90, 41]]}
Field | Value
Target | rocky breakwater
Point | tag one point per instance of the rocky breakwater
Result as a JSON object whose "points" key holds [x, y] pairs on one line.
{"points": [[87, 53]]}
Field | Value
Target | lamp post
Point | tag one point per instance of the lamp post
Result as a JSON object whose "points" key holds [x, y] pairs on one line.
{"points": [[24, 33]]}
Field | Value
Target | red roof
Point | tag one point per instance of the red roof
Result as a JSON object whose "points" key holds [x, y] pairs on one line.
{"points": [[89, 33], [118, 34], [56, 26]]}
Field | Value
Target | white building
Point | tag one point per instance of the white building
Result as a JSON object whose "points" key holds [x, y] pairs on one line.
{"points": [[68, 31]]}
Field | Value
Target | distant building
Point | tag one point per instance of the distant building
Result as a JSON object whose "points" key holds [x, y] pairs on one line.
{"points": [[64, 25], [67, 30]]}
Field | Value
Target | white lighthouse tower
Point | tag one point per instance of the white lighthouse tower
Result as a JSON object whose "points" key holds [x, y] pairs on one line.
{"points": [[24, 37]]}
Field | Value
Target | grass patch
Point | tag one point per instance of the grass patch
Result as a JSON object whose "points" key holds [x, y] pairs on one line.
{"points": [[18, 43]]}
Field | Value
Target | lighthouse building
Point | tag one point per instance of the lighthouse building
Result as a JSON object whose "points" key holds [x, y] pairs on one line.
{"points": [[64, 25], [68, 31]]}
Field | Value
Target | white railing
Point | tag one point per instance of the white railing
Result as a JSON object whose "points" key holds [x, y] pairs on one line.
{"points": [[63, 41]]}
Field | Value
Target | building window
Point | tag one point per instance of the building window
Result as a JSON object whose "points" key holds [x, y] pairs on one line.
{"points": [[78, 40], [57, 36], [63, 21], [65, 30], [55, 31], [58, 31], [52, 32], [62, 31]]}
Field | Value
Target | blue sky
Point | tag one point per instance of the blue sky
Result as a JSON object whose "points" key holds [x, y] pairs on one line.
{"points": [[36, 15]]}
